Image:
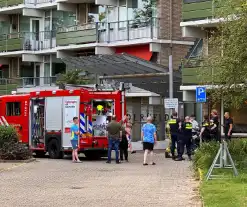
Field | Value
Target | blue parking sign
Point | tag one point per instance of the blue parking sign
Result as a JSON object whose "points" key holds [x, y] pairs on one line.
{"points": [[201, 96]]}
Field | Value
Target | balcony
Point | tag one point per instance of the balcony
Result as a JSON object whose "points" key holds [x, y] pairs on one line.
{"points": [[9, 3], [29, 41], [194, 72], [76, 35], [129, 30], [198, 9], [9, 85], [103, 32], [30, 82]]}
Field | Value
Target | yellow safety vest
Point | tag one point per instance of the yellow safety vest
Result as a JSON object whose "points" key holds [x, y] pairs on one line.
{"points": [[100, 107], [188, 126], [172, 121]]}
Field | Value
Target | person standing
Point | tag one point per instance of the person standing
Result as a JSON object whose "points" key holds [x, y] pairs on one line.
{"points": [[149, 138], [74, 130], [205, 130], [114, 134], [228, 125], [123, 146], [195, 130], [185, 140], [174, 131], [215, 129]]}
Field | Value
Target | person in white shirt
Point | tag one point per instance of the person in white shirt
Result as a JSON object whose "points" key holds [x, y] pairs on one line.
{"points": [[195, 125], [195, 130]]}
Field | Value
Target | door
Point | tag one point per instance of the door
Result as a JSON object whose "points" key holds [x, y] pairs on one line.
{"points": [[35, 33], [70, 110]]}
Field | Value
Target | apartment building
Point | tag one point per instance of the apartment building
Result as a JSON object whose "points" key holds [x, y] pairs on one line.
{"points": [[198, 21], [35, 34]]}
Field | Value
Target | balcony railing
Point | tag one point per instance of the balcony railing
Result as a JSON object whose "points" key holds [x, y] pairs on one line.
{"points": [[129, 30], [9, 3], [104, 32], [27, 82], [199, 9], [32, 41]]}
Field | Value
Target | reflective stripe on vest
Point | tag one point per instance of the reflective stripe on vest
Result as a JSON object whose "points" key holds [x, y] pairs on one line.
{"points": [[188, 126], [206, 124], [172, 121]]}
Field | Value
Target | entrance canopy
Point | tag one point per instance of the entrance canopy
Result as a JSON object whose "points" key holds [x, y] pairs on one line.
{"points": [[129, 69]]}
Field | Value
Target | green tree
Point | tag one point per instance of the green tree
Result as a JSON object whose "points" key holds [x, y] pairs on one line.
{"points": [[226, 64], [144, 15], [77, 77]]}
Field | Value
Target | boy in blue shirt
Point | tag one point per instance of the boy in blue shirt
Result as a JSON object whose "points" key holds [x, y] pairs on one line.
{"points": [[74, 129], [149, 138]]}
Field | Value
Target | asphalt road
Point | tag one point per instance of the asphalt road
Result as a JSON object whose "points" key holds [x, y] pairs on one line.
{"points": [[58, 183]]}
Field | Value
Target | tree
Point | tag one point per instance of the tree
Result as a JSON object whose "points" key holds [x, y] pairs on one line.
{"points": [[144, 15], [77, 77], [226, 65]]}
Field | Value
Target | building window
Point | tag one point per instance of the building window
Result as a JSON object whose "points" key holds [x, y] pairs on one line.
{"points": [[13, 109]]}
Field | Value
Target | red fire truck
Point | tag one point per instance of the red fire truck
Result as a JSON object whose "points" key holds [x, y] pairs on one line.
{"points": [[43, 119]]}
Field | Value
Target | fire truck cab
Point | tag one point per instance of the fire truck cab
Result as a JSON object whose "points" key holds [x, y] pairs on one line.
{"points": [[43, 119]]}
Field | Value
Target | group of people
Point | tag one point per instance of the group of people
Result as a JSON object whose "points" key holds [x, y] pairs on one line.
{"points": [[183, 131]]}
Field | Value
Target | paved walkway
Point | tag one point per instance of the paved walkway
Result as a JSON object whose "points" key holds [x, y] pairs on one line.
{"points": [[56, 183]]}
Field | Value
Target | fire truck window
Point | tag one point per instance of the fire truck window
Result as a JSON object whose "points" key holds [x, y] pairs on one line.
{"points": [[13, 109]]}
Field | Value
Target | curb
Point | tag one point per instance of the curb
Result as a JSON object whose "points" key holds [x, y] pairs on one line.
{"points": [[200, 174], [18, 161], [201, 178]]}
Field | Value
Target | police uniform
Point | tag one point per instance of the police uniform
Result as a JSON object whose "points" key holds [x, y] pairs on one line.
{"points": [[185, 140], [174, 131], [206, 133]]}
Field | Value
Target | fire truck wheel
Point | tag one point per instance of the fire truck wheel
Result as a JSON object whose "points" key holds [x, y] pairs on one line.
{"points": [[54, 150]]}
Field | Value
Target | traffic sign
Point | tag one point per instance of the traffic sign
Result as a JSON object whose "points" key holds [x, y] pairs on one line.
{"points": [[171, 103], [201, 94]]}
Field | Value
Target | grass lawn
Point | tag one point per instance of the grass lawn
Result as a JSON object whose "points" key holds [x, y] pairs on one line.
{"points": [[225, 193]]}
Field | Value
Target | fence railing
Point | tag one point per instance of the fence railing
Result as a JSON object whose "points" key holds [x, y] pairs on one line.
{"points": [[129, 30], [8, 3], [25, 82], [32, 41]]}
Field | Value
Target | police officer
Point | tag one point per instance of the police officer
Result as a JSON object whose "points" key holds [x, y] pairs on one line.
{"points": [[185, 139], [174, 131], [205, 130]]}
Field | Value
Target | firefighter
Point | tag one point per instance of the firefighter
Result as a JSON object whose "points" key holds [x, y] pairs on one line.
{"points": [[185, 139], [205, 130], [100, 109], [174, 131]]}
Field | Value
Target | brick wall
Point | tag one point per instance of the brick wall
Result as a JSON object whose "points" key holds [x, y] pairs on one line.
{"points": [[169, 28], [178, 53]]}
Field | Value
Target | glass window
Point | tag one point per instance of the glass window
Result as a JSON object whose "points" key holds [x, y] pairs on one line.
{"points": [[13, 108], [63, 19]]}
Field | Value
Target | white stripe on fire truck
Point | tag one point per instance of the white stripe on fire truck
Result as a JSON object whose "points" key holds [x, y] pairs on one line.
{"points": [[1, 123], [90, 127], [5, 121], [82, 123]]}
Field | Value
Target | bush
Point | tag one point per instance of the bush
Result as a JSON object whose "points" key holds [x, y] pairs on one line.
{"points": [[10, 147], [8, 134], [205, 155]]}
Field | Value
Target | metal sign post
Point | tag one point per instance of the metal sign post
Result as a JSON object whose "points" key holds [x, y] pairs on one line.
{"points": [[221, 160], [201, 97]]}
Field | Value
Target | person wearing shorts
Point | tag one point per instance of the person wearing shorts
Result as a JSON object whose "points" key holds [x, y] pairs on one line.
{"points": [[74, 129], [149, 138]]}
